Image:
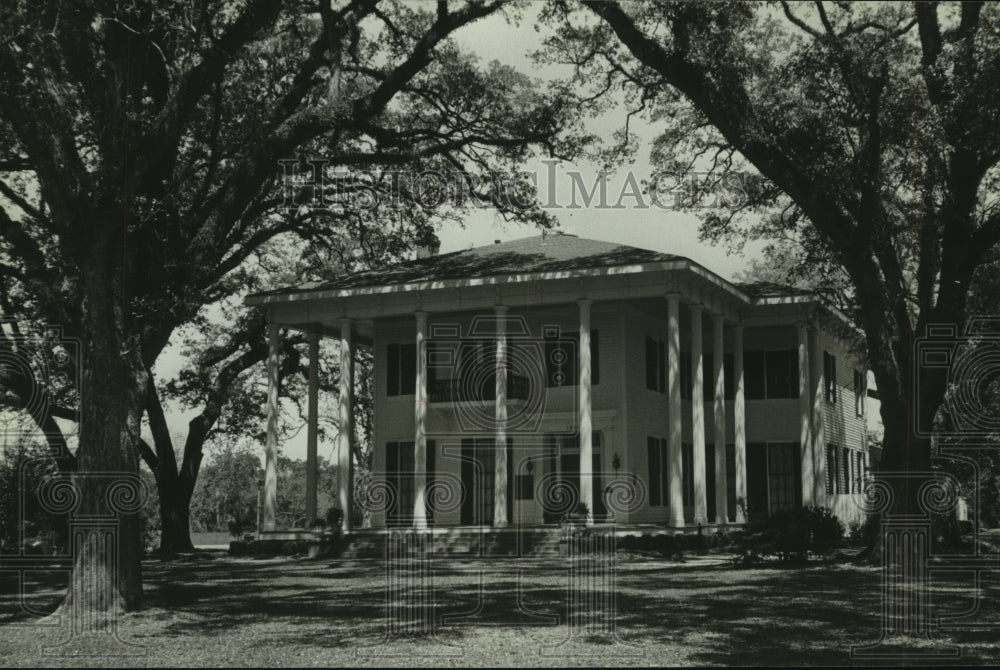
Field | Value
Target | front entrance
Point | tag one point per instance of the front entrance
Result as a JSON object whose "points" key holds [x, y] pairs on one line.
{"points": [[563, 465], [479, 481], [401, 480]]}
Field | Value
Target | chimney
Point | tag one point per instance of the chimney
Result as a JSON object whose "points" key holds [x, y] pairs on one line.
{"points": [[496, 241]]}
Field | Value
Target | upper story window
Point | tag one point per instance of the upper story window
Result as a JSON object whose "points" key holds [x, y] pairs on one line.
{"points": [[656, 372], [860, 382], [771, 374], [562, 363], [829, 376], [401, 369], [656, 365], [729, 391], [687, 380]]}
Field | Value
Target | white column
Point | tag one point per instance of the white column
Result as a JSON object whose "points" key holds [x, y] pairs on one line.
{"points": [[271, 447], [420, 426], [805, 416], [698, 417], [740, 424], [586, 422], [818, 428], [719, 371], [500, 453], [312, 425], [345, 442], [675, 468]]}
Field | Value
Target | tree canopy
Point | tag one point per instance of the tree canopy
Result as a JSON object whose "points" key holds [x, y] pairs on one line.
{"points": [[867, 132], [142, 166]]}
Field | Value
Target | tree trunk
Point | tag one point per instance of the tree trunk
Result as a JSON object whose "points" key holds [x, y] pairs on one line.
{"points": [[175, 517], [108, 568]]}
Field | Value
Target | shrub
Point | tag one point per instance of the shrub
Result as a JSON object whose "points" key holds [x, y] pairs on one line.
{"points": [[790, 535], [238, 528], [335, 519]]}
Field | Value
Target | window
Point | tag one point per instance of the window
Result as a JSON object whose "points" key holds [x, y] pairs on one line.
{"points": [[838, 470], [784, 476], [729, 390], [525, 487], [562, 365], [859, 471], [656, 365], [781, 369], [753, 374], [771, 374], [830, 376], [774, 479], [860, 382], [656, 451], [401, 369]]}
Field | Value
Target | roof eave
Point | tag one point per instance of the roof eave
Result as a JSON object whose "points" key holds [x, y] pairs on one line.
{"points": [[285, 296]]}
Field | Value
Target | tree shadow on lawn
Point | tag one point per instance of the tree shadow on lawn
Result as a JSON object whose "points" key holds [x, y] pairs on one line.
{"points": [[713, 615], [796, 616]]}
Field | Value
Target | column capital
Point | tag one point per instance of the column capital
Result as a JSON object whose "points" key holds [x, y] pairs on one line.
{"points": [[696, 307], [584, 302], [672, 295], [345, 321], [500, 310], [421, 315], [719, 319]]}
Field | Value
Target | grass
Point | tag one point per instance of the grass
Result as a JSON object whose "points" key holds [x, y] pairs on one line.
{"points": [[213, 610]]}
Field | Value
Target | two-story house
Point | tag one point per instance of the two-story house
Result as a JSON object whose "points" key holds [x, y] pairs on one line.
{"points": [[521, 381]]}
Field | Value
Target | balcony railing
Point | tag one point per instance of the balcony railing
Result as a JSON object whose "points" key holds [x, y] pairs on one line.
{"points": [[454, 390]]}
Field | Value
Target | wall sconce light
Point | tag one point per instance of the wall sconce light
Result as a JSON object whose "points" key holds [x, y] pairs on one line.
{"points": [[616, 462], [529, 466]]}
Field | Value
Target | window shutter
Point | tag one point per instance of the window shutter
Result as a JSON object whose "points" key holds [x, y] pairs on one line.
{"points": [[831, 469], [653, 461], [408, 368], [651, 365], [661, 385], [392, 370]]}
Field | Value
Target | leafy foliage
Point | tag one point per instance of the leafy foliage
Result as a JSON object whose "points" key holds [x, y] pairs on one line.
{"points": [[863, 134], [790, 535]]}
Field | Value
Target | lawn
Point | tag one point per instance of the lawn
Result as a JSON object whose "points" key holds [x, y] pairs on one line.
{"points": [[214, 610]]}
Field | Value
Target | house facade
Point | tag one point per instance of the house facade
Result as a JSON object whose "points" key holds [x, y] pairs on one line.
{"points": [[520, 382]]}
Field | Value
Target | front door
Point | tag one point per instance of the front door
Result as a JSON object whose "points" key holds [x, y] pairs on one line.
{"points": [[565, 451], [479, 481], [401, 478]]}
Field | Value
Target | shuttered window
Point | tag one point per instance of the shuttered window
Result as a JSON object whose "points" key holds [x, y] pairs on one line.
{"points": [[656, 453]]}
